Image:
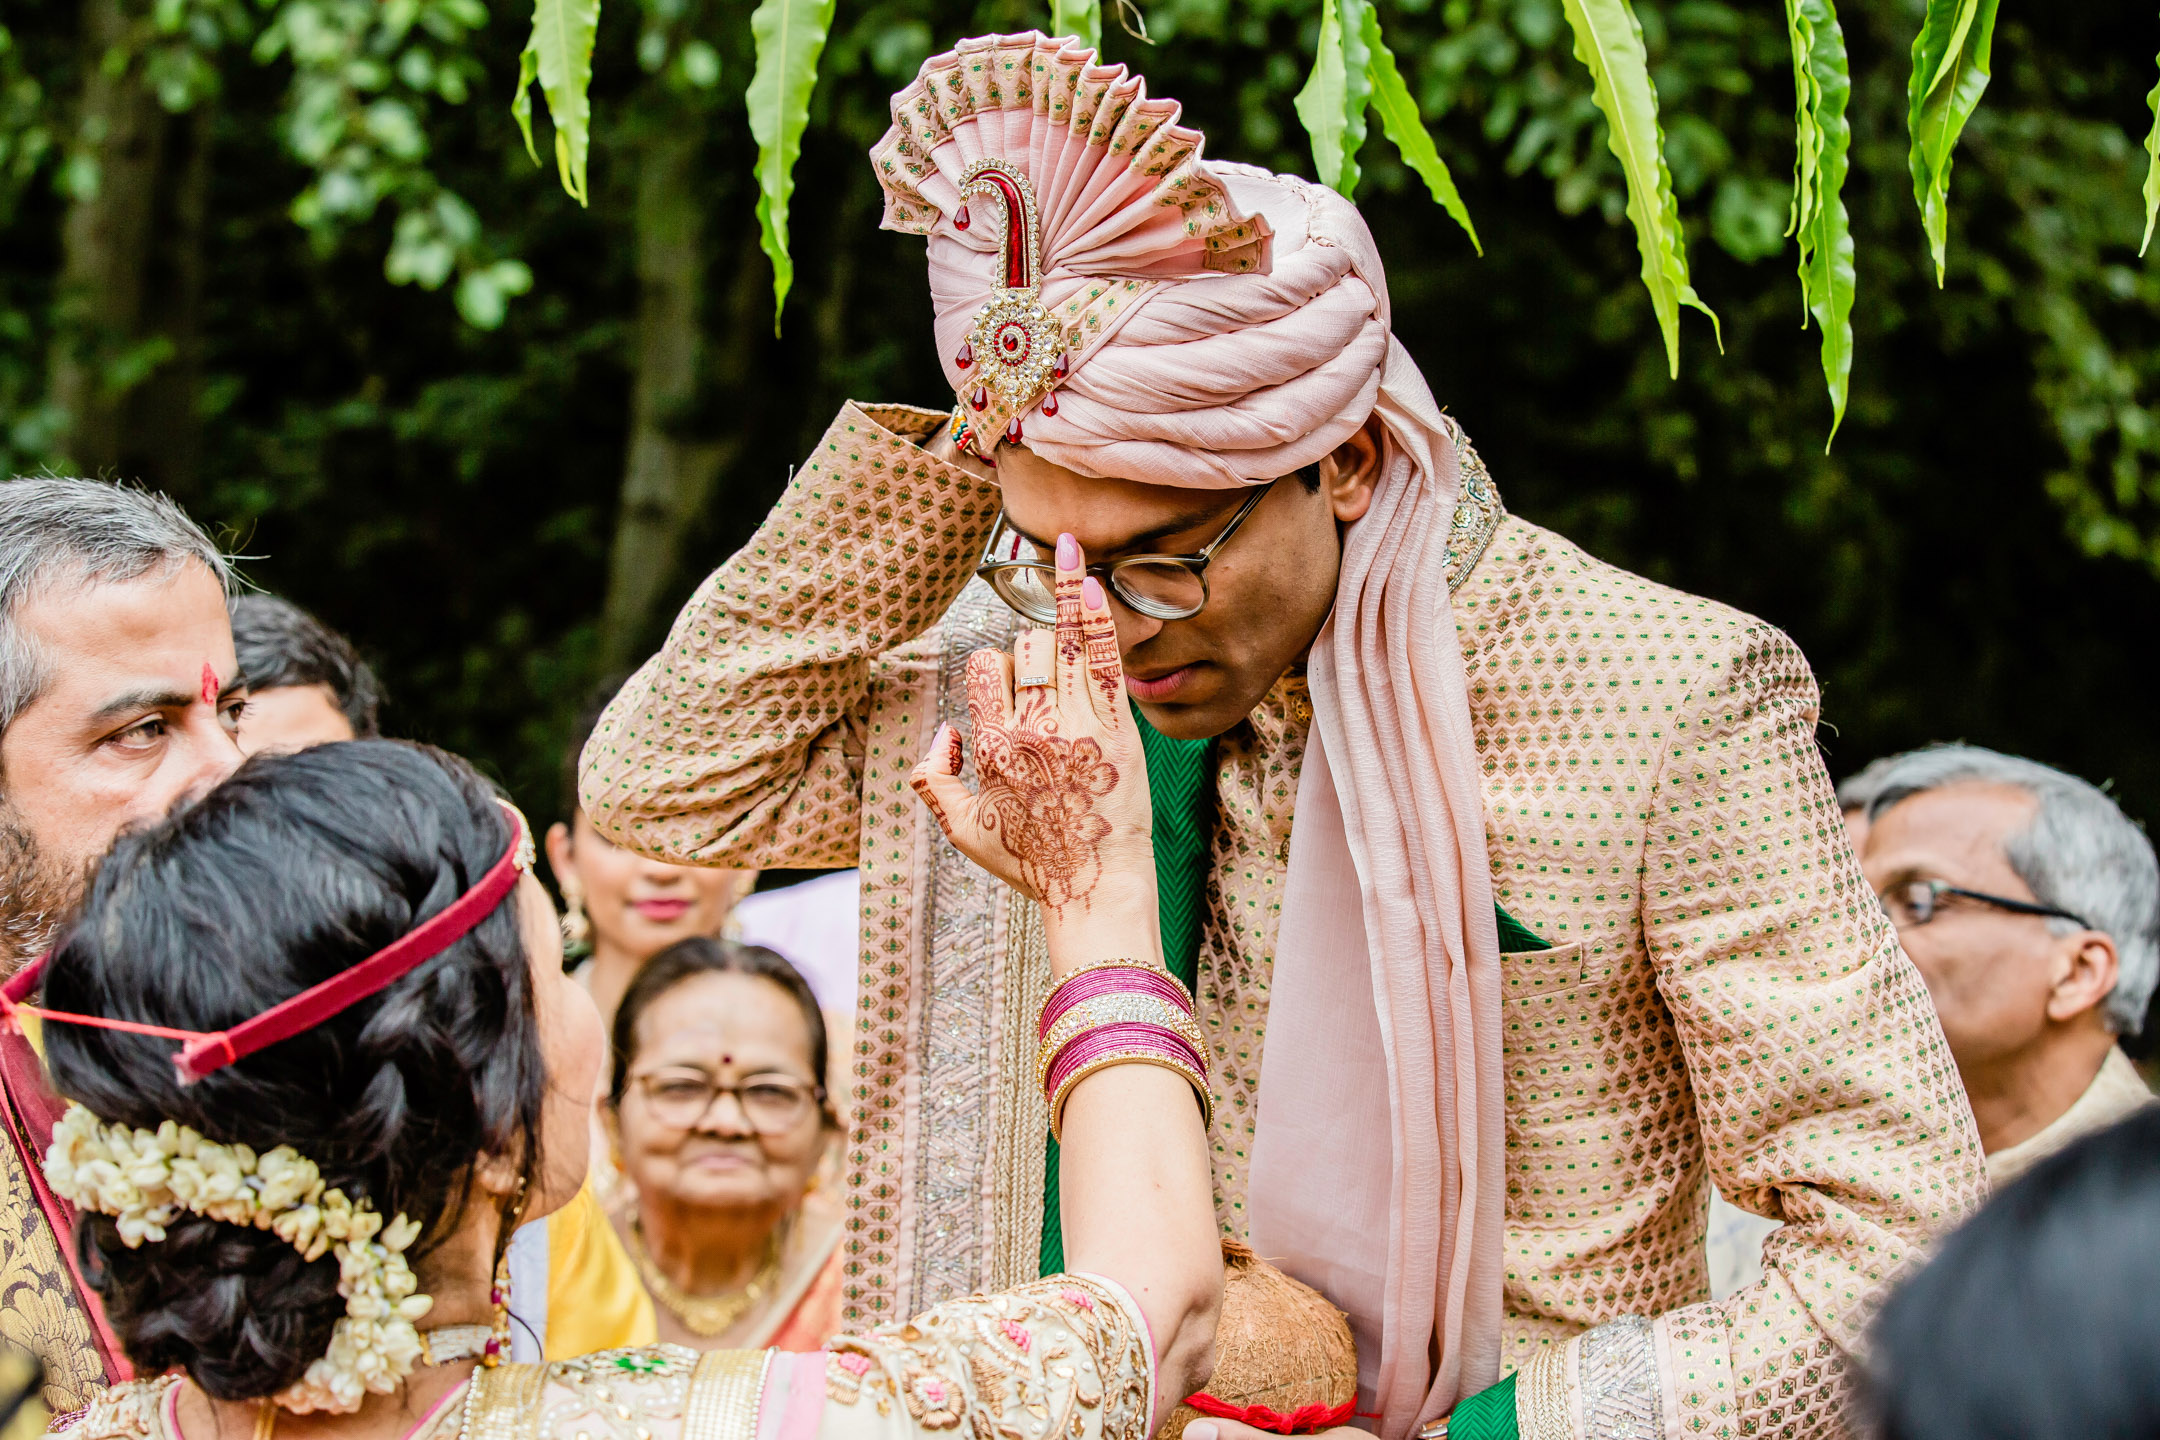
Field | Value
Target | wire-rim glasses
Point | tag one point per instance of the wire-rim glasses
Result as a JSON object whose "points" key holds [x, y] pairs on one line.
{"points": [[1916, 902], [771, 1104], [1161, 587]]}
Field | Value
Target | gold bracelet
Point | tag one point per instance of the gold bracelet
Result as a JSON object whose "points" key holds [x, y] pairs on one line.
{"points": [[1127, 1008], [1198, 1081]]}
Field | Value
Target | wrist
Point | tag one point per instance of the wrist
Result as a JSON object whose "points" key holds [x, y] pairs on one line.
{"points": [[1125, 924]]}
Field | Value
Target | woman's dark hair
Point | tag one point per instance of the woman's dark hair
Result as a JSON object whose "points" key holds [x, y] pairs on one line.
{"points": [[2040, 1319], [293, 870], [703, 955]]}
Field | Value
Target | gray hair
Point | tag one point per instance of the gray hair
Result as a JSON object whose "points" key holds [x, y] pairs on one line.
{"points": [[2080, 853], [1858, 790], [57, 531]]}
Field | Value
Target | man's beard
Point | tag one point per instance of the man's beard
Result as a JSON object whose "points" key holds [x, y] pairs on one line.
{"points": [[36, 894]]}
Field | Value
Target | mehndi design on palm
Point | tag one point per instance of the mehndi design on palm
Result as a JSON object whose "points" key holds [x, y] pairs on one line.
{"points": [[1063, 782]]}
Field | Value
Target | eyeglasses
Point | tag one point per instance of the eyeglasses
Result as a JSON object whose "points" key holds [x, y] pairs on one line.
{"points": [[1162, 587], [1916, 902], [773, 1104]]}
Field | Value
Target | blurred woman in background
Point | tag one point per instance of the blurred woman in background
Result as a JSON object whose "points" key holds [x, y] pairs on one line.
{"points": [[619, 908], [719, 1118]]}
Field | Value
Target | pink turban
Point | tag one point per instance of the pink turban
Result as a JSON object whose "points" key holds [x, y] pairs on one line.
{"points": [[1219, 325]]}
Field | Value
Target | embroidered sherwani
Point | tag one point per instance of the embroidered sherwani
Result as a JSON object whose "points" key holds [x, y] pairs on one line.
{"points": [[1716, 996]]}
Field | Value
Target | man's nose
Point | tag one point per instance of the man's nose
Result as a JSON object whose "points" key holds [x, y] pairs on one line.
{"points": [[213, 751], [1133, 628]]}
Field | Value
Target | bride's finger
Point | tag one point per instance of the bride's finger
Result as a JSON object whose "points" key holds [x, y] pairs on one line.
{"points": [[1072, 678], [936, 778], [989, 691], [1105, 671]]}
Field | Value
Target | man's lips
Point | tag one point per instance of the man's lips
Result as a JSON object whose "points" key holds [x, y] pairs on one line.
{"points": [[661, 911], [1161, 687]]}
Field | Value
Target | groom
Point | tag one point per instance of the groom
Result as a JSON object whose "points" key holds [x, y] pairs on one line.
{"points": [[1565, 929]]}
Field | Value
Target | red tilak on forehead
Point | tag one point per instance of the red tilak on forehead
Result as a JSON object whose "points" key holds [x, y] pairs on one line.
{"points": [[210, 684]]}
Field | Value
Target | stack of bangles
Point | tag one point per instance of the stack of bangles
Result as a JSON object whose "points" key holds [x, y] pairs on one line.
{"points": [[1118, 1012]]}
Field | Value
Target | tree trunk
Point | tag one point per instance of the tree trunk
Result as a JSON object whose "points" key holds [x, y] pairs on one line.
{"points": [[127, 357], [670, 472]]}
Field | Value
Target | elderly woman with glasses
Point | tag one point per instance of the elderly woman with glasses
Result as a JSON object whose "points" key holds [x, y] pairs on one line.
{"points": [[719, 1122]]}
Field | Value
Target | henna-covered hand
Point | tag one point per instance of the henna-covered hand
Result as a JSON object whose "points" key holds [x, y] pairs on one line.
{"points": [[1062, 810]]}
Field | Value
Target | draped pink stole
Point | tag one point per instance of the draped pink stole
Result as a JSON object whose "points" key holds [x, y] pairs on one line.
{"points": [[1377, 1173]]}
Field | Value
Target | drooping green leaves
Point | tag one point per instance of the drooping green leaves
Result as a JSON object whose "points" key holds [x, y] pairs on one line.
{"points": [[1332, 104], [1609, 43], [1078, 17], [559, 56], [1949, 71], [2152, 170], [1399, 118], [789, 35], [1822, 86]]}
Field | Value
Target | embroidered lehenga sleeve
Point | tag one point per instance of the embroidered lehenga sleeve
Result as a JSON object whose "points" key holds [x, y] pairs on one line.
{"points": [[1824, 1089], [1065, 1358], [742, 742]]}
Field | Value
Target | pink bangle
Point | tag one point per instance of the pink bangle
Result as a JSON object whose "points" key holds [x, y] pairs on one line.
{"points": [[1097, 1051], [1091, 1043], [1111, 977]]}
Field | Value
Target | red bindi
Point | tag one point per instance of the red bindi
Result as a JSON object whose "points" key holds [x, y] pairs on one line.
{"points": [[210, 685]]}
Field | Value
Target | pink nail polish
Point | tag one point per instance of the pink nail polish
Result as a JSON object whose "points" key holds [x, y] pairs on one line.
{"points": [[1091, 593], [1068, 553]]}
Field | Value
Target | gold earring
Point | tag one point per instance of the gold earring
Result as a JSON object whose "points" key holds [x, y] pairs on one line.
{"points": [[576, 924]]}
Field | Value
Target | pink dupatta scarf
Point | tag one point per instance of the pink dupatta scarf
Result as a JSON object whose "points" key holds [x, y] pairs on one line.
{"points": [[1377, 1167]]}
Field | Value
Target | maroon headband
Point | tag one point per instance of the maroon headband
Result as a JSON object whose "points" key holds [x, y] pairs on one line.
{"points": [[206, 1051]]}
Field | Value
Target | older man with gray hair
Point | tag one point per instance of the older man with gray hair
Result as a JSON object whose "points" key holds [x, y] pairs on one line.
{"points": [[2031, 905], [119, 695]]}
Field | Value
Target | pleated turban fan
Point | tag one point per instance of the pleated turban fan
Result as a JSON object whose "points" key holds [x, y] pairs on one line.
{"points": [[1122, 307]]}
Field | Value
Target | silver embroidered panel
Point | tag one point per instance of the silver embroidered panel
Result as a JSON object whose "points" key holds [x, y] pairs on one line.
{"points": [[958, 1043], [1618, 1373]]}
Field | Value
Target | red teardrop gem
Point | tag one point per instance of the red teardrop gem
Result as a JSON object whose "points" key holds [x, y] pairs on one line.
{"points": [[1049, 405], [1012, 431], [966, 357], [1060, 368], [960, 221], [980, 398]]}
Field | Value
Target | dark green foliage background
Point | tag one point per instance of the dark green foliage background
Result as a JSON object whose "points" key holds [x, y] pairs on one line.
{"points": [[1972, 561]]}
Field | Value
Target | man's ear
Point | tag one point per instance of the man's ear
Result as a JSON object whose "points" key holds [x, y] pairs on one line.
{"points": [[1349, 473], [2085, 972]]}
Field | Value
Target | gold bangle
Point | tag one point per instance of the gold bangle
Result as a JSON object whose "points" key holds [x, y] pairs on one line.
{"points": [[1198, 1081], [1127, 1008]]}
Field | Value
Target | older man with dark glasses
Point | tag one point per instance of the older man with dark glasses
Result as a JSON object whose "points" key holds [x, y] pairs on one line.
{"points": [[2031, 904]]}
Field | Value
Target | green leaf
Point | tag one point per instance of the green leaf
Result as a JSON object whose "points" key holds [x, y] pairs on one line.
{"points": [[1609, 42], [1332, 104], [559, 56], [1400, 119], [1822, 86], [2152, 170], [1082, 18], [789, 35], [1950, 69]]}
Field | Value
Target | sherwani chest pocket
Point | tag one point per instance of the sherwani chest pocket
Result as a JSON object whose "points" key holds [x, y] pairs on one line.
{"points": [[1548, 1009]]}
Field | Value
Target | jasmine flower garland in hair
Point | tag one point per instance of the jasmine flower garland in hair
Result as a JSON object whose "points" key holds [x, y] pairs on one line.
{"points": [[144, 1179]]}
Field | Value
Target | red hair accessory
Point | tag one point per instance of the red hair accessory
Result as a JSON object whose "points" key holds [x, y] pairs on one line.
{"points": [[1302, 1421], [206, 1051]]}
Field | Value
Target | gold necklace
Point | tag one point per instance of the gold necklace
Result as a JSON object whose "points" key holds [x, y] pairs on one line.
{"points": [[706, 1315]]}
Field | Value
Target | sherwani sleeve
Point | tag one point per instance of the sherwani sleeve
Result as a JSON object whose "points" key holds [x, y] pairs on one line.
{"points": [[1825, 1092], [741, 742]]}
